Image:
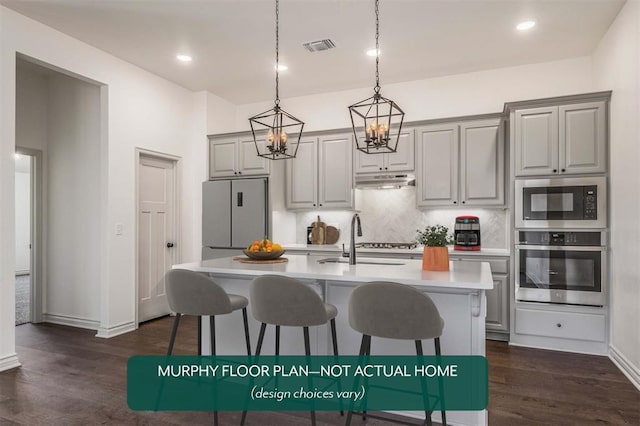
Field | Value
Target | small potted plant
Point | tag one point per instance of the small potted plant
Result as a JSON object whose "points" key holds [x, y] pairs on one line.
{"points": [[436, 255]]}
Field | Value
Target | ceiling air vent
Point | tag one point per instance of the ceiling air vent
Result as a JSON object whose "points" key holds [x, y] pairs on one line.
{"points": [[319, 45]]}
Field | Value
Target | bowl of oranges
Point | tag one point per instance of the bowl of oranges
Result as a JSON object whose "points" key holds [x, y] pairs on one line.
{"points": [[264, 249]]}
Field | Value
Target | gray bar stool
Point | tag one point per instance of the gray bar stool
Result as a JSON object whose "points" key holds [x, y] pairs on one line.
{"points": [[280, 300], [192, 293], [395, 311]]}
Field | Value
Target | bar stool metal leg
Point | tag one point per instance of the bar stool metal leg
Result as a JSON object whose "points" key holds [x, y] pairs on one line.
{"points": [[436, 343], [212, 333], [199, 335], [246, 330], [334, 339], [425, 390], [307, 352], [277, 340], [362, 352], [174, 332], [263, 327]]}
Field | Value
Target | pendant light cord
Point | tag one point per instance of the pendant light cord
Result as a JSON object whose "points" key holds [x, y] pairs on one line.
{"points": [[377, 87], [277, 101]]}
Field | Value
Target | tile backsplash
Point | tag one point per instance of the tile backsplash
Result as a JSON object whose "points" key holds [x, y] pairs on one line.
{"points": [[392, 216]]}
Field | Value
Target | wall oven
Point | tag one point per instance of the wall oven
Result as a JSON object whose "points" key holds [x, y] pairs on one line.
{"points": [[562, 203], [561, 267]]}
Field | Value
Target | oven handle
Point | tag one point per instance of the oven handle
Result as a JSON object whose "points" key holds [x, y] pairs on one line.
{"points": [[561, 248]]}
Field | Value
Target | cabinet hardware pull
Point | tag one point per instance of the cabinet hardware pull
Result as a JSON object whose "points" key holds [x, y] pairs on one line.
{"points": [[558, 325], [239, 173], [555, 170], [463, 201], [563, 170], [169, 245], [455, 202]]}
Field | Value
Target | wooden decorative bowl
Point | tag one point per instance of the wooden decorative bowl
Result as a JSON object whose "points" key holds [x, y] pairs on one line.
{"points": [[263, 255]]}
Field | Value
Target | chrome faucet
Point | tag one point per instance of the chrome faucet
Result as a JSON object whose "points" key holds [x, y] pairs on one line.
{"points": [[352, 244]]}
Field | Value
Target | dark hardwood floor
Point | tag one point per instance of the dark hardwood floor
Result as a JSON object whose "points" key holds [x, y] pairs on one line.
{"points": [[70, 377]]}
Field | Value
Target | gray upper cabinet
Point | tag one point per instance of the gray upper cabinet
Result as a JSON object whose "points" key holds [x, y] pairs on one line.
{"points": [[321, 175], [437, 171], [536, 147], [461, 164], [582, 138], [482, 163], [400, 161], [235, 156], [557, 140]]}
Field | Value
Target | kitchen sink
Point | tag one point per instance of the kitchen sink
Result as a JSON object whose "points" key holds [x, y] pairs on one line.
{"points": [[368, 261]]}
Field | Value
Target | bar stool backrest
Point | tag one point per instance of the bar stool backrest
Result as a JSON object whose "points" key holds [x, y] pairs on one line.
{"points": [[281, 300], [192, 293], [394, 311]]}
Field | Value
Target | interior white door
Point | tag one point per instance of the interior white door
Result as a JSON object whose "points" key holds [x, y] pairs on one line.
{"points": [[23, 214], [156, 234]]}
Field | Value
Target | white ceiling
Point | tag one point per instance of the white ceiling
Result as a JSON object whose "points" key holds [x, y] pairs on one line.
{"points": [[232, 42]]}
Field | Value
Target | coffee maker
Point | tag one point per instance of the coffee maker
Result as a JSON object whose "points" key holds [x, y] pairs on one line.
{"points": [[467, 233]]}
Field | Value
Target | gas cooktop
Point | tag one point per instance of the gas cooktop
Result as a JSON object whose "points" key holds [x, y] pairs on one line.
{"points": [[407, 246]]}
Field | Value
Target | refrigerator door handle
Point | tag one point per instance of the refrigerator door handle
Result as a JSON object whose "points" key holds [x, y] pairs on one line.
{"points": [[239, 201]]}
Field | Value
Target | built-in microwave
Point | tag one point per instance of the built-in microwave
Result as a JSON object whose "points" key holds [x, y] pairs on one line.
{"points": [[562, 203]]}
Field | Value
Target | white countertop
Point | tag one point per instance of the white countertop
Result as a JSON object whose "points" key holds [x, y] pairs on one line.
{"points": [[462, 275], [417, 250]]}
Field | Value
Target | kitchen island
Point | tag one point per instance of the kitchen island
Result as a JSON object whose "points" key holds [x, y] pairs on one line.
{"points": [[458, 293]]}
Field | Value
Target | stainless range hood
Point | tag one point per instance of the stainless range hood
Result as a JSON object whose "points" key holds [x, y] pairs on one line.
{"points": [[385, 181]]}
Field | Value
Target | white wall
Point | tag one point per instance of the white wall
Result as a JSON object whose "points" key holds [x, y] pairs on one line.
{"points": [[23, 222], [456, 95], [139, 110], [616, 65], [73, 228]]}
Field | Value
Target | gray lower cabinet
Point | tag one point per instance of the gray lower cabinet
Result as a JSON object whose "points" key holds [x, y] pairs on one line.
{"points": [[560, 139]]}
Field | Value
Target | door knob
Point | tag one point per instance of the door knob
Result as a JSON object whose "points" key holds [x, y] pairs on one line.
{"points": [[169, 245]]}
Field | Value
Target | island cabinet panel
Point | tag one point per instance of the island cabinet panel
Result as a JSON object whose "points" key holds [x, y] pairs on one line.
{"points": [[561, 139], [498, 304], [321, 175], [236, 156], [461, 164]]}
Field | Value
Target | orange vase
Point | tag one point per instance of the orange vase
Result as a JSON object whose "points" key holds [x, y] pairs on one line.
{"points": [[435, 259]]}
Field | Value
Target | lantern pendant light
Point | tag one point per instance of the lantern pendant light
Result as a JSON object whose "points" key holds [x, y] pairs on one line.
{"points": [[276, 133], [377, 121]]}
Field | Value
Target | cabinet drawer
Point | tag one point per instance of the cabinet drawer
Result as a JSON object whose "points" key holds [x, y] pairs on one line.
{"points": [[561, 324], [498, 266]]}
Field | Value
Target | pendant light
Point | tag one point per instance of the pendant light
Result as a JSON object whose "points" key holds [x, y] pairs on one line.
{"points": [[276, 133], [377, 121]]}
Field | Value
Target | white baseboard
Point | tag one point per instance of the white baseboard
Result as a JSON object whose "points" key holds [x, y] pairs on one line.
{"points": [[8, 362], [71, 321], [107, 332], [628, 369]]}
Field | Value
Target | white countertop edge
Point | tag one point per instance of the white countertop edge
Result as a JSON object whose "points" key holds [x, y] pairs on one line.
{"points": [[361, 273]]}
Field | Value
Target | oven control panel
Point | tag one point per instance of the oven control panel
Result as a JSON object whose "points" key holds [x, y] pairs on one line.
{"points": [[590, 197], [550, 238]]}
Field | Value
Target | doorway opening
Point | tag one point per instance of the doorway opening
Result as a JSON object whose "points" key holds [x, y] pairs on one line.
{"points": [[23, 232]]}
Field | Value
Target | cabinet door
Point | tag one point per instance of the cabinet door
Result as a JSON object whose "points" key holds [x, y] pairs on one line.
{"points": [[437, 166], [498, 304], [403, 159], [482, 163], [583, 137], [368, 163], [536, 141], [222, 158], [249, 163], [335, 174], [302, 176]]}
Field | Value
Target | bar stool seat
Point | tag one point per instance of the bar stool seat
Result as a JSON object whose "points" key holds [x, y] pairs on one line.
{"points": [[395, 311], [284, 301], [192, 293]]}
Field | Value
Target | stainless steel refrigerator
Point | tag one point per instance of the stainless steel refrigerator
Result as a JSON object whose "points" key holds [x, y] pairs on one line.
{"points": [[234, 213]]}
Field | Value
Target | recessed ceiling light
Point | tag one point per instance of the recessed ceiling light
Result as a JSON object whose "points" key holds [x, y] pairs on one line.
{"points": [[525, 25], [281, 67], [184, 58], [373, 52]]}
